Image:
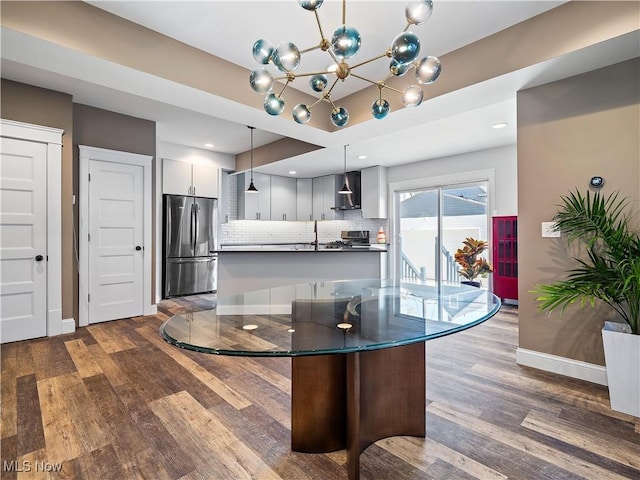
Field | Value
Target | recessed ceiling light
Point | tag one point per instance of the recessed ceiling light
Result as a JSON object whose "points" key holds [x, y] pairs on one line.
{"points": [[499, 125], [362, 157], [292, 172], [208, 145]]}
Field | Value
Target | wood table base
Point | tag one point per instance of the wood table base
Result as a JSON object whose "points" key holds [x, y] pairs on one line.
{"points": [[353, 400]]}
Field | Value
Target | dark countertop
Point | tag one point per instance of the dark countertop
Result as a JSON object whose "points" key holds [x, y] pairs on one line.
{"points": [[297, 248]]}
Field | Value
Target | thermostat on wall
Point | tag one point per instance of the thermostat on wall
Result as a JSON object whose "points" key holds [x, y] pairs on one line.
{"points": [[596, 182]]}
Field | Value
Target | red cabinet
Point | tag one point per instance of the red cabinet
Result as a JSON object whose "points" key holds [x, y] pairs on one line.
{"points": [[505, 257]]}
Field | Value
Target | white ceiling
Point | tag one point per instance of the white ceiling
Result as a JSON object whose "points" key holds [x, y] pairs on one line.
{"points": [[447, 125]]}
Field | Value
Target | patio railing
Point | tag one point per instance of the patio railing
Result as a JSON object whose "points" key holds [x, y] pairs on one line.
{"points": [[411, 273]]}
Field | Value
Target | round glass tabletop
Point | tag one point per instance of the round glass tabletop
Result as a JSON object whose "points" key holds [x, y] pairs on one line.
{"points": [[327, 317]]}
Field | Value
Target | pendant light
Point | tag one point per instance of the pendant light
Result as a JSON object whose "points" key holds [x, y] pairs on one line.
{"points": [[345, 190], [252, 188]]}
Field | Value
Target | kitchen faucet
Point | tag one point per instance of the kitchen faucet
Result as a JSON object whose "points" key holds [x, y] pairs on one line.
{"points": [[315, 231]]}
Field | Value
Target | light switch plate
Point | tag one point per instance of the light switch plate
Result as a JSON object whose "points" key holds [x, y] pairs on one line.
{"points": [[547, 230]]}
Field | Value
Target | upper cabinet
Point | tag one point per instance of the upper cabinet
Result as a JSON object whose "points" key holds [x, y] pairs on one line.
{"points": [[223, 201], [256, 205], [304, 199], [283, 198], [374, 192], [205, 180], [197, 179], [324, 197]]}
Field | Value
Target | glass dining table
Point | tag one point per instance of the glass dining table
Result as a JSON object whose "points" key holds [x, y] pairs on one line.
{"points": [[358, 371]]}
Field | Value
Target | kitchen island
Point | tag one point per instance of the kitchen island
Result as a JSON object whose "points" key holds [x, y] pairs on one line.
{"points": [[244, 268]]}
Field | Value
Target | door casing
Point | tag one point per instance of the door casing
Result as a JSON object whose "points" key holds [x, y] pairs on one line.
{"points": [[487, 175], [52, 137], [87, 154]]}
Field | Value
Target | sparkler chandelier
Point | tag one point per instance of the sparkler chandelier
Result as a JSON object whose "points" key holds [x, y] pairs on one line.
{"points": [[345, 44]]}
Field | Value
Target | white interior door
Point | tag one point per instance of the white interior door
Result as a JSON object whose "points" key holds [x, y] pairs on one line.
{"points": [[116, 254], [23, 240]]}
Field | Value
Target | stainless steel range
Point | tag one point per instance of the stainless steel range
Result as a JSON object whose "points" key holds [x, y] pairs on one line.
{"points": [[351, 239]]}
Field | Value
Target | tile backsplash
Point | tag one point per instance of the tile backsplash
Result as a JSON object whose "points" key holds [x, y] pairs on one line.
{"points": [[262, 231]]}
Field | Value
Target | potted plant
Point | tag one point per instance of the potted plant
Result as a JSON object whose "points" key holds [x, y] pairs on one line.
{"points": [[471, 263], [608, 270]]}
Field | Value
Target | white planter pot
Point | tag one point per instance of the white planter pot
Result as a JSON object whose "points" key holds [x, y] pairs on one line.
{"points": [[622, 356]]}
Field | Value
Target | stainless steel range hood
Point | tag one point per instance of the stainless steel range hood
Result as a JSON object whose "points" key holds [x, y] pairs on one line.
{"points": [[349, 201]]}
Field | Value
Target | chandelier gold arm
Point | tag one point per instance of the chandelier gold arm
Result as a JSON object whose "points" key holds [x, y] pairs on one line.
{"points": [[328, 94], [311, 49], [386, 54], [316, 102], [289, 80], [333, 56], [384, 85], [322, 37], [379, 84], [310, 74], [365, 79], [327, 97]]}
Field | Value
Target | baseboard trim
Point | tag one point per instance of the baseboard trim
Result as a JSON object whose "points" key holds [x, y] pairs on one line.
{"points": [[68, 325], [561, 365], [151, 309], [54, 322]]}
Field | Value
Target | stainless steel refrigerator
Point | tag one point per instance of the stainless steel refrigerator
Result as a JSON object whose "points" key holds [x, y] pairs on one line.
{"points": [[190, 258]]}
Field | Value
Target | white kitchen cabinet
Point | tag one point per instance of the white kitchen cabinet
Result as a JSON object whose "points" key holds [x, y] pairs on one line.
{"points": [[254, 206], [283, 198], [223, 201], [304, 199], [325, 189], [205, 181], [183, 178], [374, 192]]}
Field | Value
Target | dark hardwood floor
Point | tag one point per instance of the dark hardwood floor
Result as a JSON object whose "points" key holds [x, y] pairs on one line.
{"points": [[113, 401]]}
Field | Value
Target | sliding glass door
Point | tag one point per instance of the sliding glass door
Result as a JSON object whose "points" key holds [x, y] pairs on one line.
{"points": [[431, 224]]}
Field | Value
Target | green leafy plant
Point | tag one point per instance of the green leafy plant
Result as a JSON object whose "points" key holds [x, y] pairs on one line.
{"points": [[471, 263], [610, 268]]}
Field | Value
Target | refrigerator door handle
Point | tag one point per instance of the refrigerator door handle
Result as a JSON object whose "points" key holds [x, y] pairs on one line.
{"points": [[195, 240], [191, 228]]}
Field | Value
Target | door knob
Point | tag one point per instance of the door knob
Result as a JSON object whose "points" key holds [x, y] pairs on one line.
{"points": [[39, 258], [138, 247]]}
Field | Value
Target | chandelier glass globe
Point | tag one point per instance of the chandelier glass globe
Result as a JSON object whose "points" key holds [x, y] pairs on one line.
{"points": [[339, 117], [301, 113], [286, 57], [273, 105], [310, 4], [262, 51], [412, 96], [419, 12], [405, 47], [261, 81], [428, 70], [345, 42], [380, 109], [398, 69], [318, 82]]}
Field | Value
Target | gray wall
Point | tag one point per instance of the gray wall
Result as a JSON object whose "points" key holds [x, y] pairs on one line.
{"points": [[569, 131]]}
